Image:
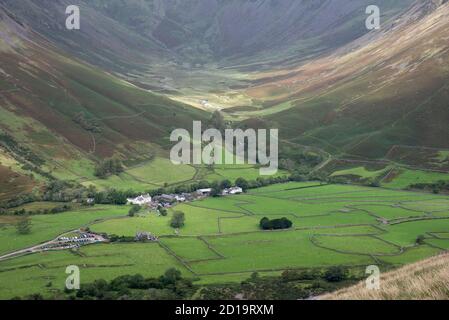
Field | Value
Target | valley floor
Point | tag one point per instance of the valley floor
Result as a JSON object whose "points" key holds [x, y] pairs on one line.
{"points": [[221, 241]]}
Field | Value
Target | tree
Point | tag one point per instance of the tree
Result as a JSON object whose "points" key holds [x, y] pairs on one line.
{"points": [[265, 223], [254, 277], [336, 274], [108, 167], [134, 209], [203, 184], [242, 183], [225, 184], [24, 226], [216, 192], [217, 121], [116, 197], [163, 211], [178, 219], [171, 276], [420, 240], [216, 189]]}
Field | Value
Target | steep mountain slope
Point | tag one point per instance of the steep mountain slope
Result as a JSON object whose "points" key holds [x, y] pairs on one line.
{"points": [[387, 88], [223, 29], [156, 42], [63, 112], [308, 67], [101, 40]]}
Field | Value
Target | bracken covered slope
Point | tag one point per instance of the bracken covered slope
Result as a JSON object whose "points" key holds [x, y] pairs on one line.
{"points": [[61, 116], [424, 280], [387, 88]]}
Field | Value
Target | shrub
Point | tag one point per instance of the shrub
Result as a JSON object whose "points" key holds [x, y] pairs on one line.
{"points": [[24, 226], [420, 240], [163, 211], [134, 209], [336, 274]]}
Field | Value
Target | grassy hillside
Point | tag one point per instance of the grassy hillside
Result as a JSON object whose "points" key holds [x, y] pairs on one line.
{"points": [[424, 280], [387, 88], [62, 116]]}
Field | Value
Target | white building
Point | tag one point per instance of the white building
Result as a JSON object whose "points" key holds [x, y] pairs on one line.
{"points": [[180, 198], [140, 200], [204, 192], [232, 191]]}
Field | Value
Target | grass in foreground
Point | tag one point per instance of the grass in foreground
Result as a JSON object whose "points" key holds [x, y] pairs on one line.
{"points": [[426, 279]]}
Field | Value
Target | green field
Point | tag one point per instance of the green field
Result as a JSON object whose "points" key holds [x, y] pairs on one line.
{"points": [[33, 273], [47, 227], [222, 242], [409, 177], [360, 172], [161, 172], [148, 175]]}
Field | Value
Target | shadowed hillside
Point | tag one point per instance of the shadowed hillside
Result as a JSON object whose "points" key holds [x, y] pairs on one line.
{"points": [[163, 40], [308, 67], [387, 88]]}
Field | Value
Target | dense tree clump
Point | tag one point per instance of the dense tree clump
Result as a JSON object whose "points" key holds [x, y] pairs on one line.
{"points": [[112, 196], [54, 210], [242, 183], [170, 286], [109, 167], [87, 124], [225, 184], [275, 224], [336, 274], [437, 187], [178, 219], [64, 191], [291, 285], [117, 238]]}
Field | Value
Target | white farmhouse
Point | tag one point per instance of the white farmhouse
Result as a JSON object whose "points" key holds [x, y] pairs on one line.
{"points": [[180, 198], [232, 191], [140, 200], [204, 192]]}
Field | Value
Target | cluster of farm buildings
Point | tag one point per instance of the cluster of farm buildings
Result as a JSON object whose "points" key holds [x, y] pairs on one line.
{"points": [[168, 200], [161, 201]]}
